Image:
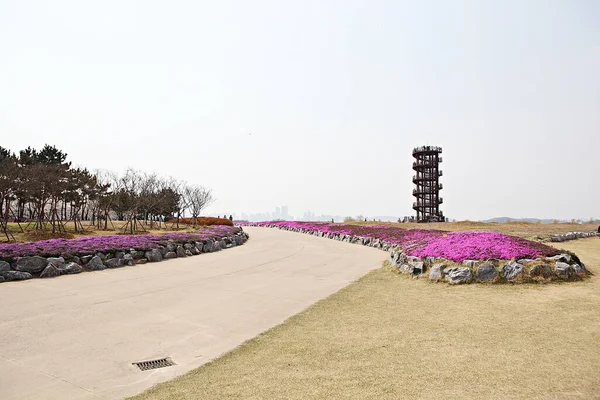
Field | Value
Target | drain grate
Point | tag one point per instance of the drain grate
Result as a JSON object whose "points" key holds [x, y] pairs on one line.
{"points": [[154, 364]]}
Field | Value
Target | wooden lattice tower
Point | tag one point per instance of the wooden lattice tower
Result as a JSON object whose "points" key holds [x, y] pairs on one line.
{"points": [[428, 186]]}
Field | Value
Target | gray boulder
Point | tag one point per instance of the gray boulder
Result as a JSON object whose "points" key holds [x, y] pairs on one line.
{"points": [[418, 268], [128, 259], [95, 264], [32, 265], [154, 255], [541, 271], [457, 275], [15, 275], [119, 254], [470, 263], [56, 261], [486, 272], [114, 262], [579, 269], [141, 261], [170, 254], [76, 260], [525, 261], [208, 247], [50, 271], [566, 258], [188, 253], [216, 245], [137, 254], [86, 259], [102, 256], [512, 270], [71, 268], [563, 270], [406, 269], [437, 272], [2, 279], [180, 251], [4, 266], [193, 251]]}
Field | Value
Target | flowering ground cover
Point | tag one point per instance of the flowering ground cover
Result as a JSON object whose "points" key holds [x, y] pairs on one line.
{"points": [[92, 244], [455, 246]]}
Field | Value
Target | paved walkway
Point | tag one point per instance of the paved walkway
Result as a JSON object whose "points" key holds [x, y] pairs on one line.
{"points": [[76, 337]]}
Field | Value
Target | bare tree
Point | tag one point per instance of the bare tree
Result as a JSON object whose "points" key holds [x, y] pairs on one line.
{"points": [[198, 198]]}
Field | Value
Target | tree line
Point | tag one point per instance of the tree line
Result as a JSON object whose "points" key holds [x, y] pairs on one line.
{"points": [[41, 190]]}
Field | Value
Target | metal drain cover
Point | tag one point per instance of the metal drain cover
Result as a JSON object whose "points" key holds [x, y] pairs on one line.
{"points": [[154, 364]]}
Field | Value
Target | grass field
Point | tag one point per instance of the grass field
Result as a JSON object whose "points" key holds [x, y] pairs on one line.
{"points": [[389, 337]]}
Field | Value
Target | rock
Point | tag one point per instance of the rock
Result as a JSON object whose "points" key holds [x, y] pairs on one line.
{"points": [[141, 261], [114, 262], [470, 263], [525, 261], [95, 264], [137, 254], [170, 254], [76, 260], [579, 269], [4, 266], [216, 245], [2, 279], [86, 259], [563, 270], [418, 268], [199, 246], [119, 254], [56, 261], [71, 268], [128, 259], [180, 251], [102, 256], [437, 272], [397, 259], [458, 275], [50, 271], [512, 270], [208, 247], [188, 253], [16, 275], [193, 251], [169, 247], [154, 255], [541, 271], [486, 272], [566, 258], [406, 269], [32, 265]]}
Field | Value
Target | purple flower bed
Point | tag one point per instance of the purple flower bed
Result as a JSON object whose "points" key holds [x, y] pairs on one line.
{"points": [[455, 246], [93, 244]]}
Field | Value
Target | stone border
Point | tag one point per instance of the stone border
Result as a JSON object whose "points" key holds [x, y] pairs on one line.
{"points": [[573, 236], [40, 267], [562, 267]]}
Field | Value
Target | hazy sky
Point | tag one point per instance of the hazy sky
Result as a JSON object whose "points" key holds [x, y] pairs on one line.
{"points": [[317, 104]]}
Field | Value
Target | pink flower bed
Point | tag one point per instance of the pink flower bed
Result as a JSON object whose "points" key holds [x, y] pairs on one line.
{"points": [[455, 246], [93, 244]]}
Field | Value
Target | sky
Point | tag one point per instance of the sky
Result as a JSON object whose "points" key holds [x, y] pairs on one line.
{"points": [[317, 104]]}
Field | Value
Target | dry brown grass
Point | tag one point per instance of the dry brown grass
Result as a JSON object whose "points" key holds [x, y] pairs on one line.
{"points": [[31, 235], [389, 337], [521, 229]]}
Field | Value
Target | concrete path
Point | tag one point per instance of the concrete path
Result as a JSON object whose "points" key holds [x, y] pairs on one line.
{"points": [[76, 337]]}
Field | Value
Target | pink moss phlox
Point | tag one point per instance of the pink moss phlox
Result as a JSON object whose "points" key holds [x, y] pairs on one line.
{"points": [[93, 244], [455, 246]]}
